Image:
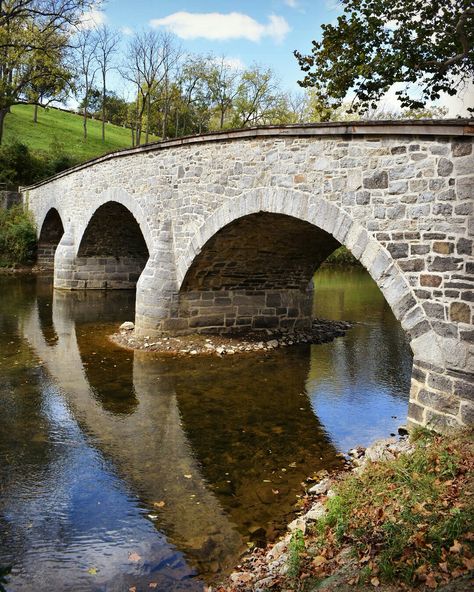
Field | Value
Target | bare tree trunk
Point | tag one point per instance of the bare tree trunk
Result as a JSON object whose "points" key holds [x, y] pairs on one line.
{"points": [[148, 111], [103, 105], [84, 122], [222, 118], [138, 126], [35, 114], [3, 114], [176, 124]]}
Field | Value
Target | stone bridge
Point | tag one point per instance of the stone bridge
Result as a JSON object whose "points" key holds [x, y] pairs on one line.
{"points": [[223, 232]]}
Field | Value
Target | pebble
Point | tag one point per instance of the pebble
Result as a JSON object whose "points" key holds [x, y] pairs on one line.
{"points": [[322, 331]]}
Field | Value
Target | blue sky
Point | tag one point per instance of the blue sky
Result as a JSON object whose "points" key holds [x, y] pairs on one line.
{"points": [[265, 32], [261, 31]]}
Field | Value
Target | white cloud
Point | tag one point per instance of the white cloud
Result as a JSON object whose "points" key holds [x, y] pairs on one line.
{"points": [[126, 30], [220, 27], [233, 63], [292, 3], [92, 19], [334, 5]]}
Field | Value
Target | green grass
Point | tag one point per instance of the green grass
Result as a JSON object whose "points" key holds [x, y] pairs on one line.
{"points": [[295, 549], [57, 129]]}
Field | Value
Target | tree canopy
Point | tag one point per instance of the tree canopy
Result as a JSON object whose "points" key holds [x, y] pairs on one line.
{"points": [[377, 43], [34, 35]]}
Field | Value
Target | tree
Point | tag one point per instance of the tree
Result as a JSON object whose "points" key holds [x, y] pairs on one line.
{"points": [[106, 47], [259, 100], [31, 34], [50, 77], [223, 86], [377, 43], [150, 56], [86, 68]]}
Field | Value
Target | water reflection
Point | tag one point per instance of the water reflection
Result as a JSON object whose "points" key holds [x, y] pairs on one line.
{"points": [[366, 375], [106, 453]]}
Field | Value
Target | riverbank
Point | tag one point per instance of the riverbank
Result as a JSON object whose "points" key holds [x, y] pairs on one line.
{"points": [[321, 331], [401, 517]]}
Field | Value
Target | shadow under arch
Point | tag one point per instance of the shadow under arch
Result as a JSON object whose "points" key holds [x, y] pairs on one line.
{"points": [[52, 230], [112, 252], [338, 226]]}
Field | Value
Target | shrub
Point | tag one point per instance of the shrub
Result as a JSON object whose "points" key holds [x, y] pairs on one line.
{"points": [[17, 237]]}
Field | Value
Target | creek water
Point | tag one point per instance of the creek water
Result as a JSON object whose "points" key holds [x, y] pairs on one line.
{"points": [[122, 469]]}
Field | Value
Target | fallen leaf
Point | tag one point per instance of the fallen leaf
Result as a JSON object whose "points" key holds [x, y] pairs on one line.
{"points": [[132, 589], [468, 563], [188, 476], [92, 571], [375, 582], [444, 567], [275, 491], [152, 584], [430, 581], [319, 560], [160, 504], [134, 557], [456, 548]]}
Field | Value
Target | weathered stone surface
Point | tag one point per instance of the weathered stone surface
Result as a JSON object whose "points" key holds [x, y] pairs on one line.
{"points": [[460, 312], [444, 247], [461, 148], [445, 167], [378, 180]]}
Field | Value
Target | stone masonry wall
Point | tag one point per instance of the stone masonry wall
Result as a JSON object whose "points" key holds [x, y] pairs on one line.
{"points": [[399, 196]]}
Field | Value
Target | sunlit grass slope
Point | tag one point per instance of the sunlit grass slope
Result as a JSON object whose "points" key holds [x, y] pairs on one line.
{"points": [[59, 130]]}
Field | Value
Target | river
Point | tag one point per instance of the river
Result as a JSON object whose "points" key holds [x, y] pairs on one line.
{"points": [[122, 469]]}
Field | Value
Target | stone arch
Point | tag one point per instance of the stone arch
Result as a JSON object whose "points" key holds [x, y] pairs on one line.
{"points": [[50, 234], [112, 251], [333, 220], [122, 197]]}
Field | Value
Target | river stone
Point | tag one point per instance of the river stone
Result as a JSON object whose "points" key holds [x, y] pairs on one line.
{"points": [[127, 326], [241, 577], [316, 512], [297, 524], [320, 488]]}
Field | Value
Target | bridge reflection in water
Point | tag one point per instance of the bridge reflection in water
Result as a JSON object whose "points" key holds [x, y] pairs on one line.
{"points": [[206, 454]]}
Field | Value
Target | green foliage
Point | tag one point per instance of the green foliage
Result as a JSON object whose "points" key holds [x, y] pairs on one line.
{"points": [[341, 256], [377, 43], [17, 237], [295, 549], [21, 166]]}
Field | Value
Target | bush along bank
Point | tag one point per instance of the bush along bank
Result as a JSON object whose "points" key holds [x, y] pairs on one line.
{"points": [[401, 518], [17, 237]]}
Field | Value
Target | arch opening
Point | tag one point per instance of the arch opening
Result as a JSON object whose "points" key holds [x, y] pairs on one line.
{"points": [[112, 253], [49, 238], [254, 274]]}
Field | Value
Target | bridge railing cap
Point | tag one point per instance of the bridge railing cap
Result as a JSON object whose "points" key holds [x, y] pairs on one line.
{"points": [[394, 127]]}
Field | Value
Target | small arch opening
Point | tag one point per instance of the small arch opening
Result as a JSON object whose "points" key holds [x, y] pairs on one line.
{"points": [[113, 252], [49, 238]]}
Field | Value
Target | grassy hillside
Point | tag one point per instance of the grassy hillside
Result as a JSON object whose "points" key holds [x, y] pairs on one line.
{"points": [[63, 131]]}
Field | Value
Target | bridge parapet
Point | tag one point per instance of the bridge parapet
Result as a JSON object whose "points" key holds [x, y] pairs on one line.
{"points": [[235, 224]]}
